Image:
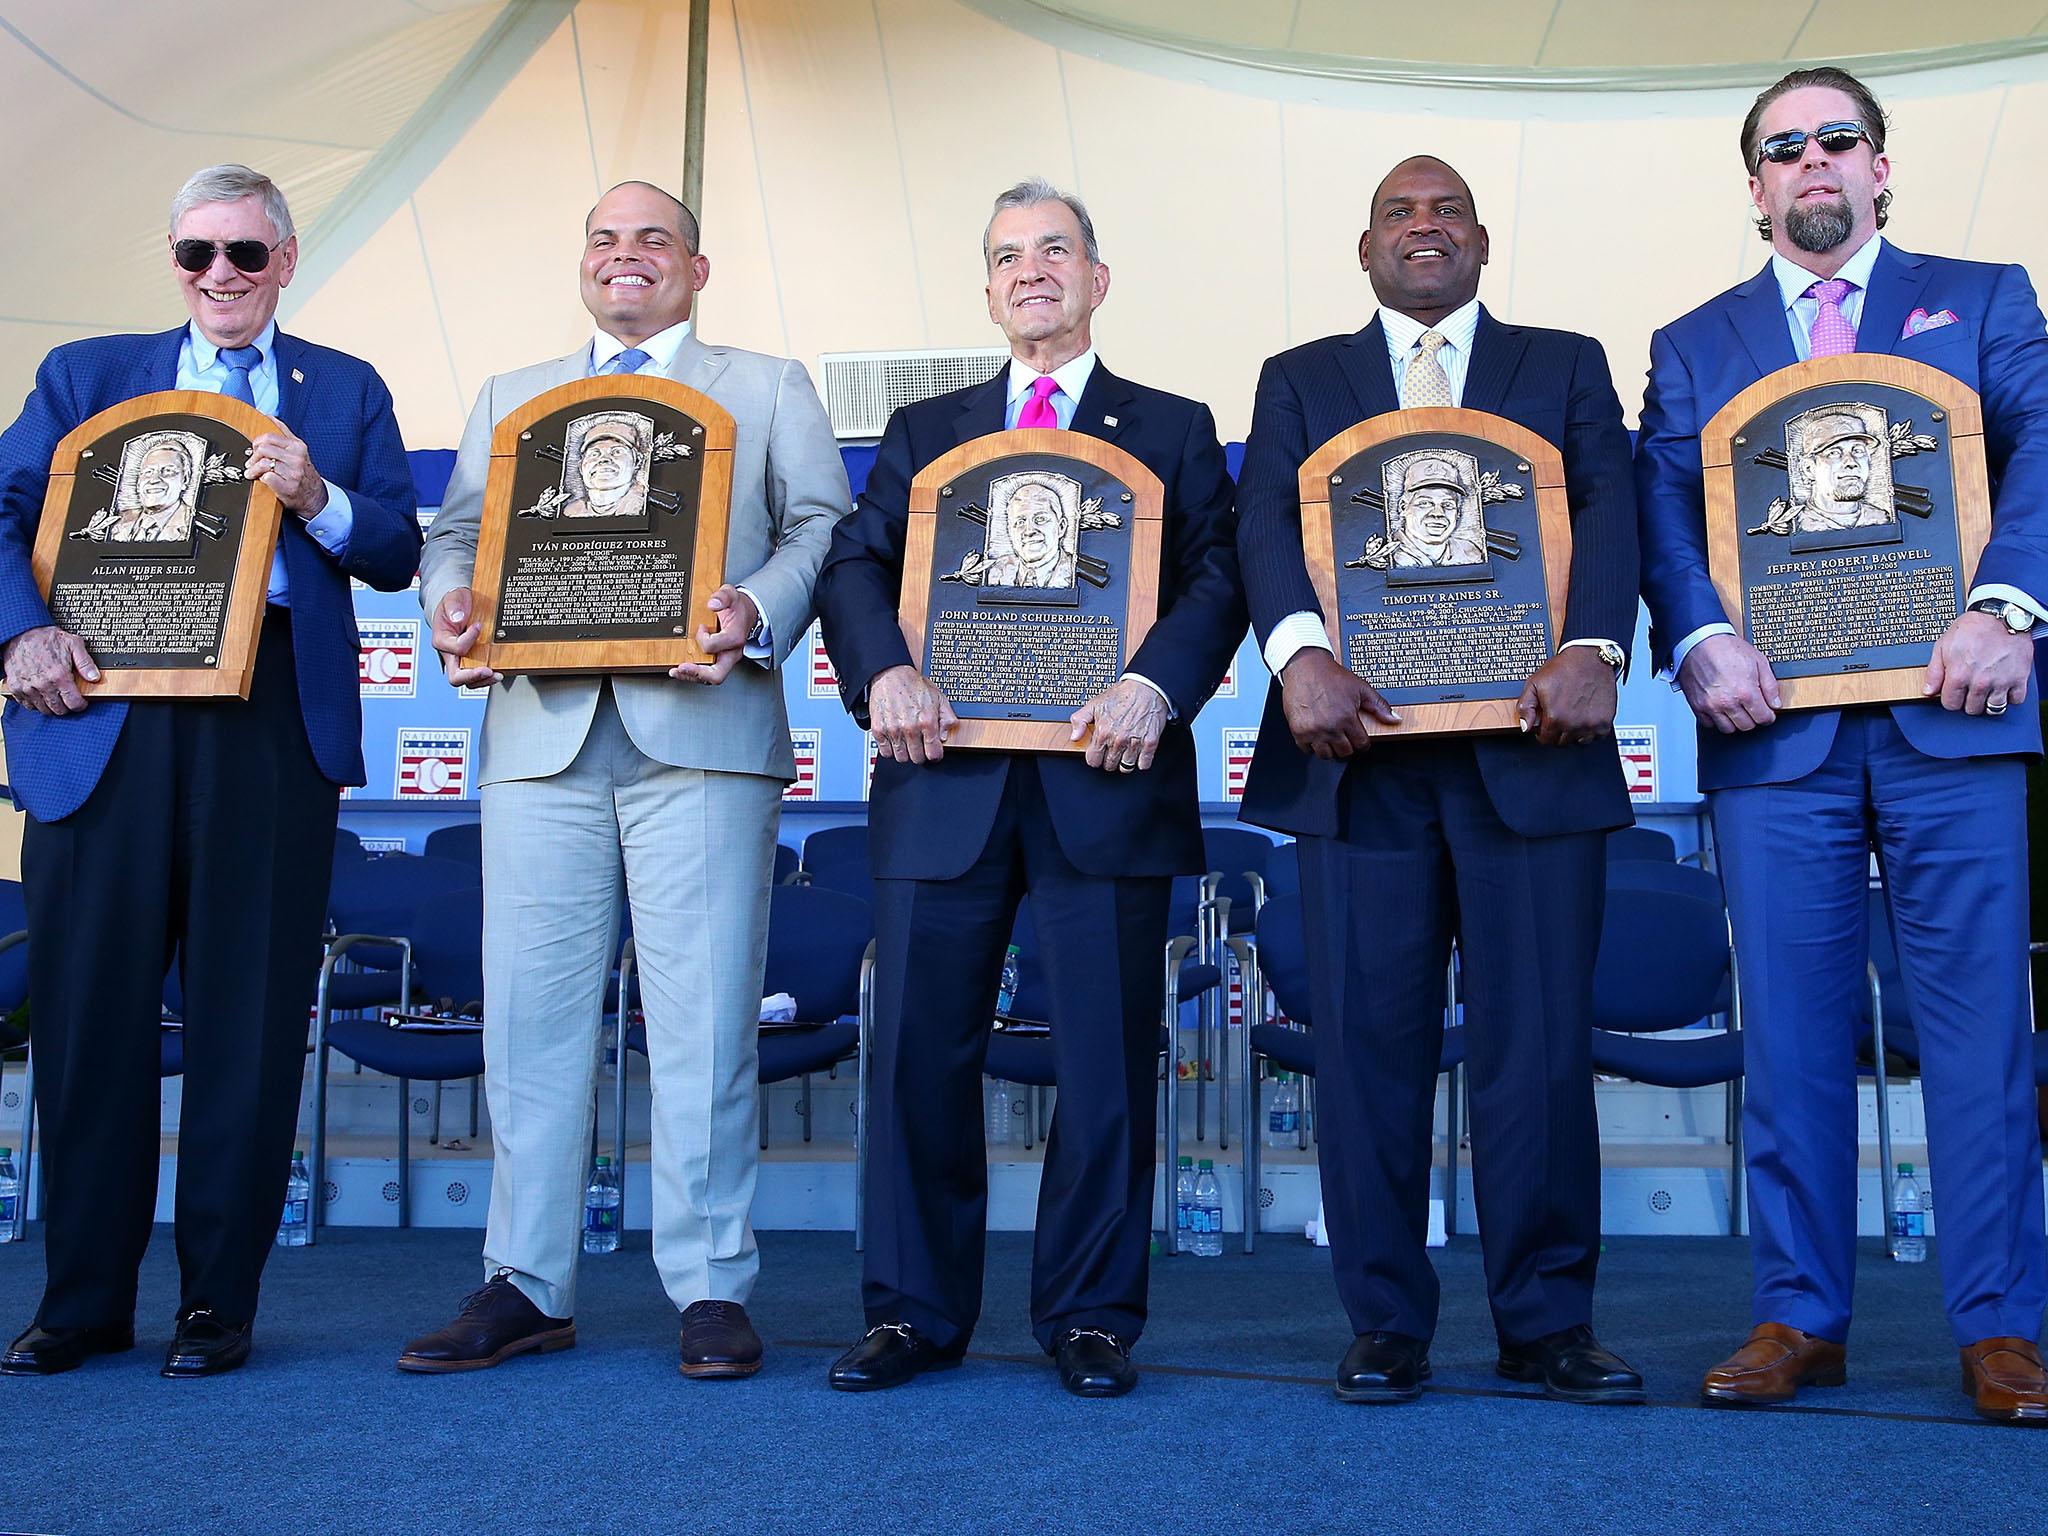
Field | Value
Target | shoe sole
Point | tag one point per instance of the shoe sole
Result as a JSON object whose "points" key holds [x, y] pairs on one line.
{"points": [[1729, 1397], [28, 1365], [901, 1381], [2031, 1414], [1596, 1397], [718, 1370], [1385, 1394], [533, 1344], [1094, 1389], [201, 1368]]}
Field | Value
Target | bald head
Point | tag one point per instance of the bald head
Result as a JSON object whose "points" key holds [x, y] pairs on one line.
{"points": [[1428, 162], [1424, 245], [685, 224]]}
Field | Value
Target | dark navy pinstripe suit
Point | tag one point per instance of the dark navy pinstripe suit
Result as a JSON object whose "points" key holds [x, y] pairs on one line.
{"points": [[1493, 840]]}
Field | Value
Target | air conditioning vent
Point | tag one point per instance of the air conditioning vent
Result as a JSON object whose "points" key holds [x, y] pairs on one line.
{"points": [[862, 388]]}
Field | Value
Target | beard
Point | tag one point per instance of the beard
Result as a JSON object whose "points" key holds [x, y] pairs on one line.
{"points": [[1818, 228]]}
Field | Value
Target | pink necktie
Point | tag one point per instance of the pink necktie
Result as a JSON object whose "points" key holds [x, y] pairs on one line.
{"points": [[1038, 410], [1832, 333]]}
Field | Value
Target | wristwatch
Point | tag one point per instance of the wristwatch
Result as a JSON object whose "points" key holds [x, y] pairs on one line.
{"points": [[2014, 616], [1612, 654]]}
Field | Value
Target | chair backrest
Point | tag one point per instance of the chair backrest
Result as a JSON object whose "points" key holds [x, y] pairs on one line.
{"points": [[816, 941], [1663, 948], [347, 845], [381, 896], [837, 859], [786, 863], [1641, 843], [1235, 852], [447, 933], [462, 843], [14, 962], [1283, 871], [1283, 955]]}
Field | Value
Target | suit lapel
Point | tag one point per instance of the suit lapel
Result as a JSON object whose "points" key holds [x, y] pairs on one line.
{"points": [[1895, 282], [1496, 353], [1363, 358], [293, 382], [696, 364], [1104, 409], [1757, 312], [982, 408], [157, 366]]}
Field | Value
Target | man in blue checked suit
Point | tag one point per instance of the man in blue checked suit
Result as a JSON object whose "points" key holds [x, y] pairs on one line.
{"points": [[197, 830], [1406, 844], [1936, 788]]}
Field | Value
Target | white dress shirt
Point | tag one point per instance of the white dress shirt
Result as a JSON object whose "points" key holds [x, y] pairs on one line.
{"points": [[200, 367], [1404, 333]]}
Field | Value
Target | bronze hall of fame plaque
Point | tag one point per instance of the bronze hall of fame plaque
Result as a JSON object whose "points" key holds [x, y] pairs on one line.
{"points": [[155, 550], [1439, 542], [1030, 576], [1847, 506], [604, 528]]}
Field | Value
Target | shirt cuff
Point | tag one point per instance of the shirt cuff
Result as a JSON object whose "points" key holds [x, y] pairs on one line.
{"points": [[1139, 677], [1296, 632], [336, 521], [1998, 591], [1593, 643], [760, 646], [1684, 648]]}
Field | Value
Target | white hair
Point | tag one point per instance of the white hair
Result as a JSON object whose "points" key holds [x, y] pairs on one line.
{"points": [[1029, 194], [230, 184]]}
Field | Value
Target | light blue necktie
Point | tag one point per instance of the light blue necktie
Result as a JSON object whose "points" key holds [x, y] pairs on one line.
{"points": [[632, 360], [241, 361]]}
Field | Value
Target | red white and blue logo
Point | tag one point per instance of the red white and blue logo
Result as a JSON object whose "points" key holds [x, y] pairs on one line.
{"points": [[1238, 742], [821, 681], [387, 659], [867, 783], [433, 764], [1638, 744], [807, 746]]}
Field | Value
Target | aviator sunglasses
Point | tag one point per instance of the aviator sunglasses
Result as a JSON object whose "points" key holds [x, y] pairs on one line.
{"points": [[246, 255], [1835, 138]]}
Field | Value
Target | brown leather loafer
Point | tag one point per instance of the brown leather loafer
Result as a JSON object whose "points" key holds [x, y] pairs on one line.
{"points": [[1771, 1367], [2005, 1379]]}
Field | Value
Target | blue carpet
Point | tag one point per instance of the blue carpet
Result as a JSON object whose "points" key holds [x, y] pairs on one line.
{"points": [[1232, 1428]]}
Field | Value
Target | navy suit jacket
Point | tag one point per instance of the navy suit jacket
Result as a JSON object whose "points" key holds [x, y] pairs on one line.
{"points": [[342, 410], [931, 821], [1998, 347], [1557, 385]]}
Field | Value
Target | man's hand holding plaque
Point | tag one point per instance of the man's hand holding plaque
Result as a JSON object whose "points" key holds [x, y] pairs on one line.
{"points": [[282, 461], [455, 632], [44, 667], [1980, 665], [1327, 705], [1126, 718], [1570, 699], [1729, 684], [737, 619], [909, 716]]}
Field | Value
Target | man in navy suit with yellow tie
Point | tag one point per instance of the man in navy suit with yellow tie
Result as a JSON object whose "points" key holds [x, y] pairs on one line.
{"points": [[202, 829], [958, 837], [1406, 844], [1937, 787]]}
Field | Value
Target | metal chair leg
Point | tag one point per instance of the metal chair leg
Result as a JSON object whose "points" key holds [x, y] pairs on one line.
{"points": [[434, 1140], [1250, 1146], [474, 1084], [1169, 1079], [860, 1099], [621, 1072], [1884, 1105], [803, 1104], [28, 1133], [404, 1153]]}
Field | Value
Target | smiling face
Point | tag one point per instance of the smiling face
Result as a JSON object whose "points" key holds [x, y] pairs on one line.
{"points": [[639, 276], [1035, 523], [161, 479], [231, 307], [1042, 288], [1425, 246], [608, 464], [1431, 513], [1819, 204]]}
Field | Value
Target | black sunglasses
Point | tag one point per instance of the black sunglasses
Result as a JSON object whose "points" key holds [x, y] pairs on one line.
{"points": [[247, 255], [1835, 138]]}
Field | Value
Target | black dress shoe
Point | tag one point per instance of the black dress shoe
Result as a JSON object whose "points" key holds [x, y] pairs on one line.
{"points": [[717, 1340], [1095, 1363], [44, 1351], [1383, 1368], [888, 1355], [1573, 1367], [206, 1346], [495, 1324]]}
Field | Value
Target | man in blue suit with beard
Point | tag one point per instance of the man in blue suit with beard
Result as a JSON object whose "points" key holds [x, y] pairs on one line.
{"points": [[1406, 844], [1935, 787], [958, 837], [201, 828]]}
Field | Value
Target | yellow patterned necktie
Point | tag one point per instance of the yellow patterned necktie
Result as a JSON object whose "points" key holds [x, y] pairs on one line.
{"points": [[1425, 382]]}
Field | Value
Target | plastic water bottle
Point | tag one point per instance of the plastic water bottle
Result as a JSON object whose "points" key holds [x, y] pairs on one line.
{"points": [[296, 1229], [601, 1209], [1909, 1218], [1208, 1222], [1184, 1206], [10, 1193], [1002, 1113], [1006, 993], [1283, 1115]]}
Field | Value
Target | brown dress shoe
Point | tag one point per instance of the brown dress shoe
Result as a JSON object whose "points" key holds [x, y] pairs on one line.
{"points": [[1771, 1367], [2006, 1379]]}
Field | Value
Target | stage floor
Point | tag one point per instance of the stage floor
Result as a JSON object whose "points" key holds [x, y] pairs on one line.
{"points": [[1232, 1428]]}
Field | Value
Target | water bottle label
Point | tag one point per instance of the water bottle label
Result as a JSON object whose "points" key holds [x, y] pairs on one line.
{"points": [[1180, 1218], [600, 1218], [295, 1213], [6, 1210]]}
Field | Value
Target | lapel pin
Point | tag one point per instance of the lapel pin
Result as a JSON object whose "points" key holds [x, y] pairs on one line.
{"points": [[298, 377], [1109, 421]]}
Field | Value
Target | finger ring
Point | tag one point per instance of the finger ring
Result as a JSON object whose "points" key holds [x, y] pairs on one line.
{"points": [[1995, 707]]}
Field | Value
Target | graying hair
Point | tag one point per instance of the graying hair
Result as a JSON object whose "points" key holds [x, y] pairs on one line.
{"points": [[230, 184], [1029, 194]]}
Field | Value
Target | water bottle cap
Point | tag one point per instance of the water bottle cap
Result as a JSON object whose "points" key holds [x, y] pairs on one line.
{"points": [[1208, 1166], [1187, 1162], [1906, 1169], [604, 1162], [1012, 950], [9, 1152]]}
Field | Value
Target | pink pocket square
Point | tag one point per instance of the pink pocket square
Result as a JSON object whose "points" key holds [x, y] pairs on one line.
{"points": [[1920, 320]]}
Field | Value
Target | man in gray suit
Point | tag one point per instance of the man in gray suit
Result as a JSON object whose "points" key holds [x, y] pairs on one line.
{"points": [[665, 790]]}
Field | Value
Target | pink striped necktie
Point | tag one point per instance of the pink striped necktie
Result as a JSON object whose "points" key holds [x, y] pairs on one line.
{"points": [[1038, 411], [1831, 332]]}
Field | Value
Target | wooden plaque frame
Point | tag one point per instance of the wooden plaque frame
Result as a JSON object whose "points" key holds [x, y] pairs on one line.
{"points": [[249, 585], [1721, 443], [1553, 520], [707, 560], [1141, 606]]}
